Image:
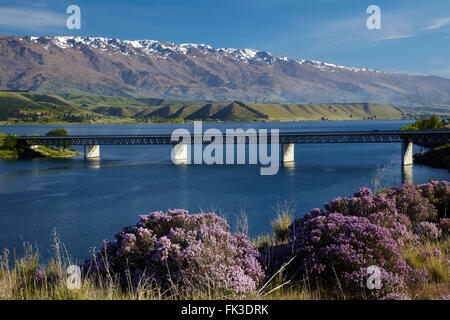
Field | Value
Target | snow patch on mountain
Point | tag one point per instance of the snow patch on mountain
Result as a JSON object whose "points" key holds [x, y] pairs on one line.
{"points": [[164, 49]]}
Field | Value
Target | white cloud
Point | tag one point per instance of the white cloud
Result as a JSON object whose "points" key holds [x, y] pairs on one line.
{"points": [[437, 23], [394, 36], [30, 18], [354, 30]]}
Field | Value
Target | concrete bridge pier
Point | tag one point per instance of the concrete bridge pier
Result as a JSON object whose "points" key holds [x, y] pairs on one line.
{"points": [[407, 153], [92, 151], [288, 153], [180, 154]]}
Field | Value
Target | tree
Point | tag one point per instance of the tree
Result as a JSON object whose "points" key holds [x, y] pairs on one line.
{"points": [[10, 142], [434, 122], [60, 132], [57, 132]]}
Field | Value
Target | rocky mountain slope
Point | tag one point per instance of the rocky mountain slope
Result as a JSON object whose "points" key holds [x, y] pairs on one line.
{"points": [[200, 72]]}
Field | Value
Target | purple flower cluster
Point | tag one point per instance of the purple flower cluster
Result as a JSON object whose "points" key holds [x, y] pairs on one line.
{"points": [[379, 210], [184, 253], [334, 250], [438, 193], [427, 231], [335, 246], [444, 225], [410, 201]]}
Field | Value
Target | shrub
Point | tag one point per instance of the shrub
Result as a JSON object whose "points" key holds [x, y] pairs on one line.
{"points": [[410, 201], [378, 210], [57, 132], [427, 231], [438, 193], [444, 225], [334, 250], [10, 142], [432, 123], [186, 254]]}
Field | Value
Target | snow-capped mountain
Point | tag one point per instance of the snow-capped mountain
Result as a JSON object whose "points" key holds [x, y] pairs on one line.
{"points": [[199, 71], [164, 49]]}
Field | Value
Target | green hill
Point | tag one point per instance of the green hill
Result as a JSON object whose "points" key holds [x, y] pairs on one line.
{"points": [[347, 111], [80, 107], [34, 107]]}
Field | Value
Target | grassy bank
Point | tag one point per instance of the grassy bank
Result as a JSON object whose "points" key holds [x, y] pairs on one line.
{"points": [[30, 280], [11, 150], [49, 152]]}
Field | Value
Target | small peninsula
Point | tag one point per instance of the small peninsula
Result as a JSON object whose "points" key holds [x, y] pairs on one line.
{"points": [[11, 150]]}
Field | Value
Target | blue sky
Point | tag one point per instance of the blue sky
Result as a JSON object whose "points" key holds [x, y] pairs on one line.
{"points": [[414, 36]]}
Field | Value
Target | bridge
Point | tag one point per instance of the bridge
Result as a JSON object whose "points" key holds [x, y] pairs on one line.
{"points": [[91, 143]]}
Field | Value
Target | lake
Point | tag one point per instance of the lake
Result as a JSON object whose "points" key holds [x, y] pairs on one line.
{"points": [[89, 201]]}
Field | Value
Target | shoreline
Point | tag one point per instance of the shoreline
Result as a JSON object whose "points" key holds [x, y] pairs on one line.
{"points": [[5, 123]]}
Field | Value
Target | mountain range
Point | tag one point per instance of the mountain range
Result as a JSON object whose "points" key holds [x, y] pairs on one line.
{"points": [[160, 69]]}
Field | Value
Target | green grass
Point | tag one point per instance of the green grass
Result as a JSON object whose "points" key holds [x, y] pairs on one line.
{"points": [[92, 100], [280, 224], [7, 155], [57, 153], [80, 107], [30, 107], [310, 112], [431, 256]]}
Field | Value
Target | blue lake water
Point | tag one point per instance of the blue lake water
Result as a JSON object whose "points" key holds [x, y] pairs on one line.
{"points": [[87, 202]]}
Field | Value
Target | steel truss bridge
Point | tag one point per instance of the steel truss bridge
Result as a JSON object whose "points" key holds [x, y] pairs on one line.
{"points": [[427, 138]]}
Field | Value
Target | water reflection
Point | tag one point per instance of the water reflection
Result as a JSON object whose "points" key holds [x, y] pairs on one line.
{"points": [[289, 166], [407, 174], [92, 163]]}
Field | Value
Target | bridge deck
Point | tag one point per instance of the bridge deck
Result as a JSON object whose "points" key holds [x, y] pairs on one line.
{"points": [[421, 137]]}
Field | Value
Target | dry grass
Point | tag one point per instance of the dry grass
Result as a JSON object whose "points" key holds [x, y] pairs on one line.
{"points": [[280, 224], [435, 258], [25, 279]]}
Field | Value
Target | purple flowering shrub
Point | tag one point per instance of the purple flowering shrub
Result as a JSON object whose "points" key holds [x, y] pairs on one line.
{"points": [[333, 250], [188, 254], [438, 193], [411, 201], [377, 209], [427, 231], [444, 225]]}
